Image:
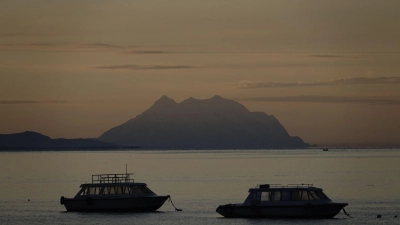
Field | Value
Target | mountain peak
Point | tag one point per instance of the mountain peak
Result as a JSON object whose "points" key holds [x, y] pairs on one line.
{"points": [[216, 97], [164, 101], [165, 98]]}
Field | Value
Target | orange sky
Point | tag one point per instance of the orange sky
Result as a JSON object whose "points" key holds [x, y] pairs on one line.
{"points": [[328, 70]]}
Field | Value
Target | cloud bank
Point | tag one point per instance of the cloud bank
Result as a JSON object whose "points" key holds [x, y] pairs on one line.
{"points": [[99, 45], [142, 67], [145, 52], [326, 99], [29, 102], [343, 81]]}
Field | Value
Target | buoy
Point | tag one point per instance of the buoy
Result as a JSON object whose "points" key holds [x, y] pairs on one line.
{"points": [[378, 216], [29, 200], [395, 216]]}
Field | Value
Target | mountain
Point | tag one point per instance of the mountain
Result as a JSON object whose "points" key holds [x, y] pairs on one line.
{"points": [[214, 123], [31, 140]]}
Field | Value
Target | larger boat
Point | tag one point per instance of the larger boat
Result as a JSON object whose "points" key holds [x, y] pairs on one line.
{"points": [[275, 200], [114, 192]]}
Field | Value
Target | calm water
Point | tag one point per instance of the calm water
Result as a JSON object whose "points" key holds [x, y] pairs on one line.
{"points": [[199, 181]]}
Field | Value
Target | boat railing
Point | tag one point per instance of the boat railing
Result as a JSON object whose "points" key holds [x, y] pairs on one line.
{"points": [[269, 185], [283, 186], [300, 185], [112, 178]]}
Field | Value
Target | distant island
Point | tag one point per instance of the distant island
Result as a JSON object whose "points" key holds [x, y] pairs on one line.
{"points": [[214, 123], [35, 141]]}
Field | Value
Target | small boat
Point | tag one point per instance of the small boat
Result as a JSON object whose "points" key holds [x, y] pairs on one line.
{"points": [[325, 149], [291, 201], [114, 192]]}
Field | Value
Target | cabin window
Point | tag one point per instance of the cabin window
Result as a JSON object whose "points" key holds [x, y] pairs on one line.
{"points": [[141, 190], [286, 196], [295, 195], [256, 196], [90, 191], [83, 192], [105, 190], [146, 189], [137, 190], [314, 195], [109, 191], [305, 196], [276, 196], [321, 195], [127, 190], [265, 196], [270, 196], [118, 190]]}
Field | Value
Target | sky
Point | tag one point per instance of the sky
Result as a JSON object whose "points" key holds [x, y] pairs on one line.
{"points": [[327, 70]]}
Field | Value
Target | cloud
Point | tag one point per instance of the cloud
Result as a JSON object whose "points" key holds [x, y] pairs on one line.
{"points": [[76, 47], [327, 56], [326, 99], [19, 34], [99, 45], [29, 102], [342, 81], [43, 44], [145, 52], [142, 67]]}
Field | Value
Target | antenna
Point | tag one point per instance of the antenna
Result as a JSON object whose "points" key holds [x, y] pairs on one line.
{"points": [[126, 172]]}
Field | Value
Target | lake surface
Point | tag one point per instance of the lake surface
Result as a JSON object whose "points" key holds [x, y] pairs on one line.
{"points": [[199, 181]]}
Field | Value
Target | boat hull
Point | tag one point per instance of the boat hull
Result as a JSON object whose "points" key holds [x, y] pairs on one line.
{"points": [[308, 210], [134, 204]]}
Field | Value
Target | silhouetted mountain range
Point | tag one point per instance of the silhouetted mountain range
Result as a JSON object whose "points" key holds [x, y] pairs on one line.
{"points": [[214, 123], [31, 141]]}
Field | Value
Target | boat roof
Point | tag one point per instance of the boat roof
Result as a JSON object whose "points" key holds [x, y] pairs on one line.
{"points": [[285, 187], [113, 184], [113, 179]]}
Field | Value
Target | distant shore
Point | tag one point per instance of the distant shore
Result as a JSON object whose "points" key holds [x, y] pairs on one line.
{"points": [[158, 149]]}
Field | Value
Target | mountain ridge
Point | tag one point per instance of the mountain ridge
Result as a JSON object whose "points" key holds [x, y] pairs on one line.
{"points": [[30, 140], [214, 123]]}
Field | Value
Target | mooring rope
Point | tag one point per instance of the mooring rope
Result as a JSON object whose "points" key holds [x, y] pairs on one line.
{"points": [[347, 213], [170, 200]]}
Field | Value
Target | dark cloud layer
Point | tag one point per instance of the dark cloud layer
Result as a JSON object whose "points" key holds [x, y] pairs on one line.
{"points": [[142, 67], [343, 81], [99, 45], [327, 56], [29, 102], [19, 34], [145, 52], [326, 99]]}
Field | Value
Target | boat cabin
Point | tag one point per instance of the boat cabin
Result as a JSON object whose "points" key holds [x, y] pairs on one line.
{"points": [[270, 193], [113, 184]]}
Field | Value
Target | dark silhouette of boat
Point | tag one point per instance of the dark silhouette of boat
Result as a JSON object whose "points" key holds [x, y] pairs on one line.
{"points": [[114, 192], [291, 201]]}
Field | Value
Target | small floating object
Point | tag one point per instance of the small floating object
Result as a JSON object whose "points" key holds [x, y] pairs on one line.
{"points": [[379, 216]]}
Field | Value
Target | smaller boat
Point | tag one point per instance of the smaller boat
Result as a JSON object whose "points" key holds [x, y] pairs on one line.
{"points": [[276, 200], [325, 149], [114, 192]]}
